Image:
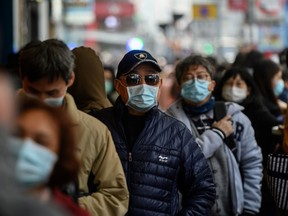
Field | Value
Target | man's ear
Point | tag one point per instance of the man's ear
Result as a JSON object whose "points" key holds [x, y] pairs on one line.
{"points": [[121, 90], [117, 86], [71, 80], [160, 84], [212, 85]]}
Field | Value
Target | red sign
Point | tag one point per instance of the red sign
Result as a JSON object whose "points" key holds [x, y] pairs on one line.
{"points": [[119, 9], [269, 7], [240, 5]]}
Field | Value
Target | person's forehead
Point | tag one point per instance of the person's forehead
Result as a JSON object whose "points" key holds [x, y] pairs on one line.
{"points": [[47, 125], [236, 78], [196, 68], [45, 84]]}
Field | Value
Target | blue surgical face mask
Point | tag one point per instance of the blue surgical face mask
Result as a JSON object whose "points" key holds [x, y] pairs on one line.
{"points": [[279, 87], [142, 97], [195, 91], [34, 164]]}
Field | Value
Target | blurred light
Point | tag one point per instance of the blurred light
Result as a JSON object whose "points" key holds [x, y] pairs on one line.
{"points": [[208, 48], [134, 43], [72, 45], [111, 22]]}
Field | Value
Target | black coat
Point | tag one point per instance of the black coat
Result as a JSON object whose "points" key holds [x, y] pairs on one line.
{"points": [[262, 121], [163, 159]]}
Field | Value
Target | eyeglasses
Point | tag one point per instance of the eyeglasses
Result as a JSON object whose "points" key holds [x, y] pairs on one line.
{"points": [[201, 77], [135, 79]]}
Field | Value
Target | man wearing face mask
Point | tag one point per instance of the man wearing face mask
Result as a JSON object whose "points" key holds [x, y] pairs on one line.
{"points": [[158, 153], [46, 69], [237, 172]]}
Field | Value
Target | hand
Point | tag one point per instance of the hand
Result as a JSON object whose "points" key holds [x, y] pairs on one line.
{"points": [[225, 125]]}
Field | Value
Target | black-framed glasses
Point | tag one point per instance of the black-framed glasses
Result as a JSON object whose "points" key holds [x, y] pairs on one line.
{"points": [[135, 79]]}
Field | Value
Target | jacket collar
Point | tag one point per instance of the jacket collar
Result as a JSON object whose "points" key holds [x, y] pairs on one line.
{"points": [[71, 108], [120, 108]]}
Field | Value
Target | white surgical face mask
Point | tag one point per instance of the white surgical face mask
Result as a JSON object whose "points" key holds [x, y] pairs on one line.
{"points": [[234, 94], [54, 102]]}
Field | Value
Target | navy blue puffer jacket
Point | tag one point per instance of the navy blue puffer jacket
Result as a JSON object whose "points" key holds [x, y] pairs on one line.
{"points": [[164, 159]]}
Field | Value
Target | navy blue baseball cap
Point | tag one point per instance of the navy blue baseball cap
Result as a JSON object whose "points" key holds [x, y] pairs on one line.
{"points": [[134, 58]]}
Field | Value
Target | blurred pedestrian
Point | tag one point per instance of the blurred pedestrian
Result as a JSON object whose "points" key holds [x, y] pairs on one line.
{"points": [[169, 91], [88, 89], [46, 159], [284, 95], [46, 69], [109, 74], [8, 106], [158, 153], [228, 142], [268, 78], [12, 201]]}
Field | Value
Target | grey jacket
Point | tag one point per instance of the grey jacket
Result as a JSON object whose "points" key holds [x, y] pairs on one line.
{"points": [[246, 194]]}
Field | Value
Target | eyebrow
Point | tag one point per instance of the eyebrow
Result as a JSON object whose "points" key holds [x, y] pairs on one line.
{"points": [[33, 89], [198, 72], [36, 91]]}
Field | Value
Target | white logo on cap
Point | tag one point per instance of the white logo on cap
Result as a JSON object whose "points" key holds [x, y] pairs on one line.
{"points": [[141, 56]]}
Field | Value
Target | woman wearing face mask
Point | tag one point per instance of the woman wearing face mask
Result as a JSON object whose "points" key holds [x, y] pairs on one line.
{"points": [[46, 159], [268, 78], [237, 85]]}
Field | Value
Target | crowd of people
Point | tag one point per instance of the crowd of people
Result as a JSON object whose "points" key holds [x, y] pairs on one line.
{"points": [[82, 138]]}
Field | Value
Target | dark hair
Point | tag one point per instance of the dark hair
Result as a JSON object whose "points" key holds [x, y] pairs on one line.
{"points": [[239, 60], [67, 166], [50, 59], [263, 73], [285, 74], [246, 77], [193, 60], [252, 58], [282, 55]]}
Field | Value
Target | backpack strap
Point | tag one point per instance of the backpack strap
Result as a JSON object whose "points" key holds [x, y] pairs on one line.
{"points": [[220, 112]]}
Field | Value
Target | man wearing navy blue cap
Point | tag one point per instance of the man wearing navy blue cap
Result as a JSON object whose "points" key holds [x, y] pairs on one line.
{"points": [[158, 153]]}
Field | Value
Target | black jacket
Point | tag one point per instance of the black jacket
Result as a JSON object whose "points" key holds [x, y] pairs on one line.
{"points": [[164, 158], [262, 122]]}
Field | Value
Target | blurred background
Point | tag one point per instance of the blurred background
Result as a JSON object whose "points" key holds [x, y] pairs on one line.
{"points": [[169, 29]]}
